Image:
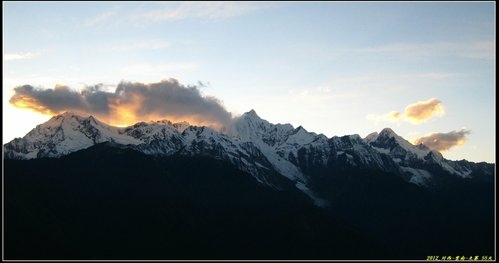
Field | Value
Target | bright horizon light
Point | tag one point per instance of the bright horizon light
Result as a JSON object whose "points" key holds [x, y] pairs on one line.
{"points": [[425, 69]]}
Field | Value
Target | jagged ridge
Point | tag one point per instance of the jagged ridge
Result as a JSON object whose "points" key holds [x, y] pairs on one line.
{"points": [[250, 143]]}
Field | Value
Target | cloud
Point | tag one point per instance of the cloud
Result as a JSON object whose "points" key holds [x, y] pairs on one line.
{"points": [[19, 56], [415, 113], [129, 103], [148, 69], [139, 45], [484, 49], [443, 141], [423, 110], [102, 17], [173, 11], [207, 10]]}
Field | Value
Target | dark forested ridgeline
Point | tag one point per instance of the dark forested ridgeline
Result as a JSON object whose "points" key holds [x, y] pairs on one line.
{"points": [[107, 202]]}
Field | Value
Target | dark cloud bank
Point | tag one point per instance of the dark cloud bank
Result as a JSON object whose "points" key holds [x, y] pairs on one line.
{"points": [[130, 102]]}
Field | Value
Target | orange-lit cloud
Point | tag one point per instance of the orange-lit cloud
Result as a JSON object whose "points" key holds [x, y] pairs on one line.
{"points": [[443, 141], [422, 111], [128, 104], [415, 113]]}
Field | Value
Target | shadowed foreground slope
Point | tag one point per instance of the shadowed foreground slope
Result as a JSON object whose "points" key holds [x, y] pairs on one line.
{"points": [[110, 203]]}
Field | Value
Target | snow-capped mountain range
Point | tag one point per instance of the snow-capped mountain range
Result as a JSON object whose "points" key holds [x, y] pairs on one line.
{"points": [[254, 145]]}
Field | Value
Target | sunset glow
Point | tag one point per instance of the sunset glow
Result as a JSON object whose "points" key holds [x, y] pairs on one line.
{"points": [[341, 68], [32, 104], [121, 115], [229, 130]]}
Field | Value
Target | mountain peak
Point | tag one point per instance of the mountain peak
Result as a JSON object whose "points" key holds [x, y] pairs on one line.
{"points": [[252, 144], [396, 145], [252, 113], [300, 128], [71, 114], [181, 126], [387, 132], [251, 116], [371, 137]]}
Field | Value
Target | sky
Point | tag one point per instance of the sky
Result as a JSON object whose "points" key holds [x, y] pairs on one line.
{"points": [[425, 69]]}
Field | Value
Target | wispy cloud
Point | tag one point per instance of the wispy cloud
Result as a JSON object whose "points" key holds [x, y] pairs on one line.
{"points": [[415, 113], [206, 10], [320, 94], [102, 17], [137, 45], [443, 141], [477, 50], [174, 11], [19, 56], [148, 69], [386, 81]]}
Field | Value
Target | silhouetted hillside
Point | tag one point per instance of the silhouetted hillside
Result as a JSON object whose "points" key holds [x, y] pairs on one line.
{"points": [[111, 203]]}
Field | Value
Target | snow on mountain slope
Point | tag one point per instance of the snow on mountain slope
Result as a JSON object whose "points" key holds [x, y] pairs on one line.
{"points": [[70, 132], [317, 200], [388, 141], [452, 167], [417, 176], [161, 137], [249, 127], [246, 156], [409, 155], [297, 139], [250, 143], [64, 134]]}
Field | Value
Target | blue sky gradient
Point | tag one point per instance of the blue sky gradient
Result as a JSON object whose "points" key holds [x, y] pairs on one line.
{"points": [[333, 67]]}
